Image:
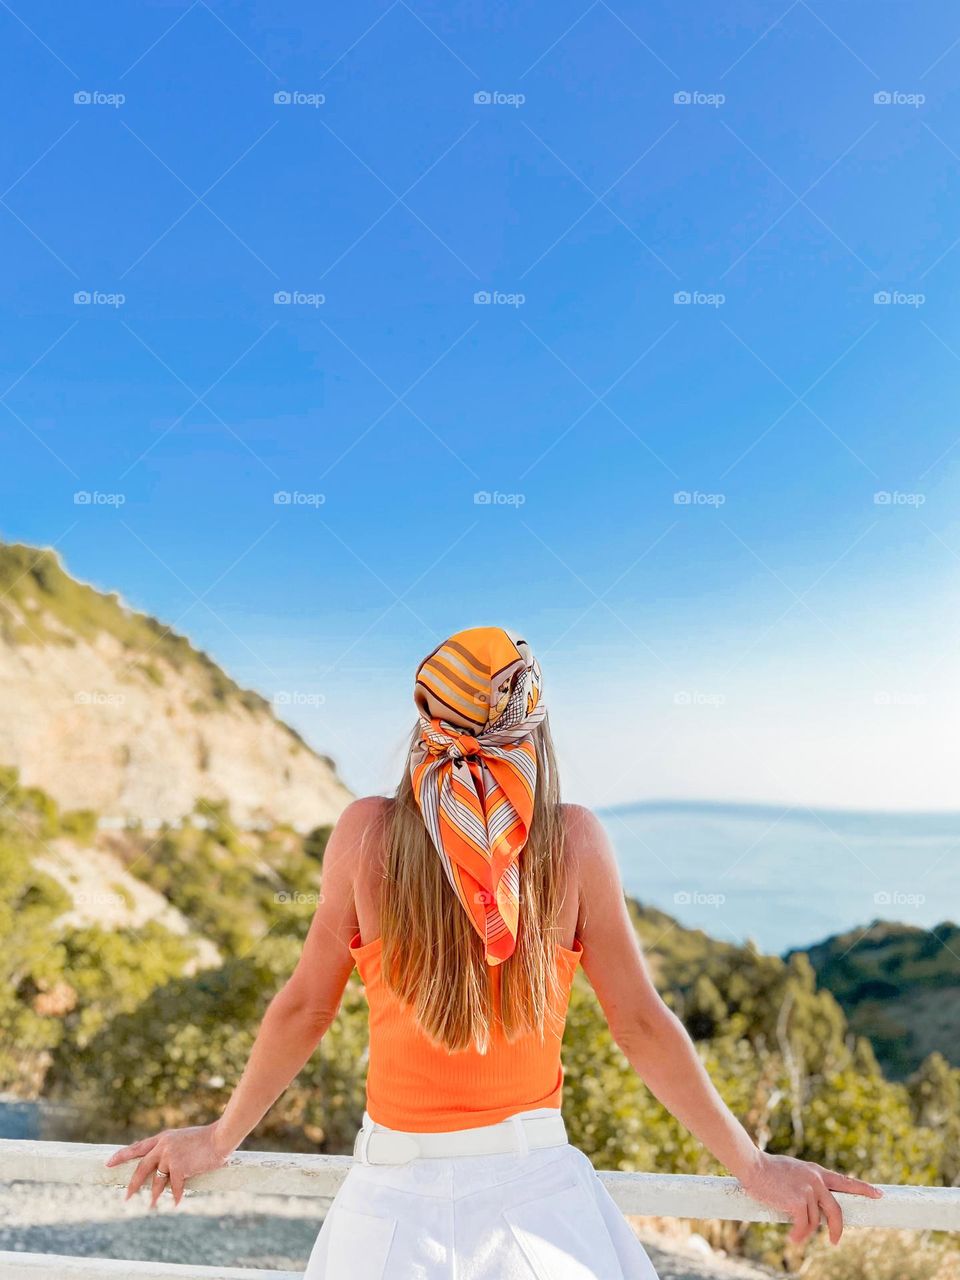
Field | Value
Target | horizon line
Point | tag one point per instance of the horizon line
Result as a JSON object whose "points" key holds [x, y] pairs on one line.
{"points": [[782, 808]]}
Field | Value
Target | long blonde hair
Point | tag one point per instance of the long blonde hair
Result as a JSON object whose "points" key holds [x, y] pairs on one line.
{"points": [[432, 956]]}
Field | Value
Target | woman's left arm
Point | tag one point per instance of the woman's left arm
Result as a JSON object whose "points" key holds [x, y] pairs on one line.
{"points": [[292, 1027]]}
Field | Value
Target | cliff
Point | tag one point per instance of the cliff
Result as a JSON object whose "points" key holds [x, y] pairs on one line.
{"points": [[107, 709]]}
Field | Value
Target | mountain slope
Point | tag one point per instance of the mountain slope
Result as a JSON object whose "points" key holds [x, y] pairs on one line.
{"points": [[899, 986], [107, 709]]}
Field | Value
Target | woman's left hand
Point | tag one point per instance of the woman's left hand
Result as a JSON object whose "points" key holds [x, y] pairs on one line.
{"points": [[804, 1190], [178, 1153]]}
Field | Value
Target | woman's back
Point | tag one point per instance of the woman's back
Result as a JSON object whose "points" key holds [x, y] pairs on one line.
{"points": [[418, 1085]]}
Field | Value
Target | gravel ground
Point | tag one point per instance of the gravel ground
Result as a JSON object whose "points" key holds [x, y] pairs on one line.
{"points": [[237, 1230]]}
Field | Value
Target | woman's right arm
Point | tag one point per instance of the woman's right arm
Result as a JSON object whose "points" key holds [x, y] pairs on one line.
{"points": [[295, 1021], [660, 1050]]}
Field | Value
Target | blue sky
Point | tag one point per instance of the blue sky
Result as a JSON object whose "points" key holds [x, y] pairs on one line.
{"points": [[782, 636]]}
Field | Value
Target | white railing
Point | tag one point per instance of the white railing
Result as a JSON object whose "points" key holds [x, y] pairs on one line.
{"points": [[275, 1173]]}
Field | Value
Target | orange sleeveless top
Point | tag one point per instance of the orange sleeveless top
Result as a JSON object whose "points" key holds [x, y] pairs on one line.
{"points": [[420, 1087]]}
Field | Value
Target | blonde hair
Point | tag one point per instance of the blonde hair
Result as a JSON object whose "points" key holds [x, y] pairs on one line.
{"points": [[432, 956]]}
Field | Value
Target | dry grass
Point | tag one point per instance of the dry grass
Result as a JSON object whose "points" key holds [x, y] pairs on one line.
{"points": [[882, 1255]]}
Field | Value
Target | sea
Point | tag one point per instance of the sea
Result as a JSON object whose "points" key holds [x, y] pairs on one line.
{"points": [[787, 877]]}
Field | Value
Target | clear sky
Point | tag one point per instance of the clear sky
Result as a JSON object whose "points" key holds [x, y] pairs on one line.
{"points": [[783, 635]]}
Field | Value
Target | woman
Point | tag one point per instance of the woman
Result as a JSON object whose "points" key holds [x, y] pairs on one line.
{"points": [[467, 903]]}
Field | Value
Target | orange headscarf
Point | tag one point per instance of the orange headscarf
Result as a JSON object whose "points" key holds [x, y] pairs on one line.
{"points": [[474, 771]]}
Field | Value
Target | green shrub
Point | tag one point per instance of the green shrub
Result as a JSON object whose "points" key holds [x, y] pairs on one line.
{"points": [[79, 824], [176, 1058]]}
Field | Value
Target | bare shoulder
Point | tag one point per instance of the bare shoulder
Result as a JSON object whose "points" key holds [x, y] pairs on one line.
{"points": [[359, 830], [591, 863], [363, 813], [586, 839]]}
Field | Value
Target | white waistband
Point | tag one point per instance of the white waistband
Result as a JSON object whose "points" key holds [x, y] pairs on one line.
{"points": [[542, 1127], [533, 1113]]}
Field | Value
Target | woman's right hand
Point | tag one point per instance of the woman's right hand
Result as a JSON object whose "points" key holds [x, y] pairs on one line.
{"points": [[178, 1154], [802, 1189]]}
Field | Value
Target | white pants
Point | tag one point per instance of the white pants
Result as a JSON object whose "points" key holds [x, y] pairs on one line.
{"points": [[539, 1215]]}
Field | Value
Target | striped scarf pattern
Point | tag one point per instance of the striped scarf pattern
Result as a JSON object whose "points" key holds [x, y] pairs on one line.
{"points": [[474, 771]]}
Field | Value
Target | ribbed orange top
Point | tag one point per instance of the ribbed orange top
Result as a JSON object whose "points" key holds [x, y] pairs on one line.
{"points": [[420, 1087]]}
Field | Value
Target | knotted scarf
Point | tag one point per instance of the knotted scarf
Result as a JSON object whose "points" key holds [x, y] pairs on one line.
{"points": [[474, 771]]}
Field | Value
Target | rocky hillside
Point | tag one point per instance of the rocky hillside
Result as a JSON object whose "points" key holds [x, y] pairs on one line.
{"points": [[899, 986], [107, 709]]}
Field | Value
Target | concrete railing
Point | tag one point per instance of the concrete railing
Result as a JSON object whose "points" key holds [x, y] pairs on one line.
{"points": [[273, 1173]]}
